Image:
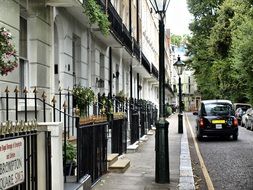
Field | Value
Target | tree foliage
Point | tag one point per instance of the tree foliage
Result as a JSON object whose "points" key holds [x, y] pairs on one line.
{"points": [[176, 39], [205, 16], [221, 48]]}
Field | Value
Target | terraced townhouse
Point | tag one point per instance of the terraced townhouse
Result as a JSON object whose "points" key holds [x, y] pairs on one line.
{"points": [[59, 49]]}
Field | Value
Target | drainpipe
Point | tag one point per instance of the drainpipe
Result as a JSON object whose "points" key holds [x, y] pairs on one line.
{"points": [[137, 21], [89, 57], [110, 71], [130, 17], [131, 82], [138, 81], [131, 106]]}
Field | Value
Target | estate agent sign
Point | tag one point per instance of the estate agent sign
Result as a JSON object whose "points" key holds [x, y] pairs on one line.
{"points": [[11, 163]]}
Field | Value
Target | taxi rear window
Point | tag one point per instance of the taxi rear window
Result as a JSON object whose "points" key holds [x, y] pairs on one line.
{"points": [[214, 109]]}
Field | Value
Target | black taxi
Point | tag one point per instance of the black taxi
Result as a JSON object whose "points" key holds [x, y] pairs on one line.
{"points": [[216, 118]]}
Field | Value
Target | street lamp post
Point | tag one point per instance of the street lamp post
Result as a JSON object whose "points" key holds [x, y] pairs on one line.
{"points": [[162, 173], [179, 66]]}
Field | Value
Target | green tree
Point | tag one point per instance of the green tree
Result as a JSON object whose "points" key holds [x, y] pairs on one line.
{"points": [[230, 16], [176, 39], [242, 49], [221, 48], [205, 16], [222, 70]]}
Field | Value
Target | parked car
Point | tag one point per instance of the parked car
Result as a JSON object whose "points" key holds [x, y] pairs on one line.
{"points": [[246, 116], [245, 106], [249, 119], [216, 118], [239, 112]]}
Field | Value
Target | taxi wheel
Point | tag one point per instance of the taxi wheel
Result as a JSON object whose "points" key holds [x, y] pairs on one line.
{"points": [[199, 135]]}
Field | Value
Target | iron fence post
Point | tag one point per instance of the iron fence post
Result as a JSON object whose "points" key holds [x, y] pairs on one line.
{"points": [[7, 103]]}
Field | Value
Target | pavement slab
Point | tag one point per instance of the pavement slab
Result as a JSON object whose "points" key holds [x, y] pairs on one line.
{"points": [[141, 173]]}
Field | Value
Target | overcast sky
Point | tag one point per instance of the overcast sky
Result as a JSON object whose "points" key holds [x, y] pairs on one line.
{"points": [[178, 17]]}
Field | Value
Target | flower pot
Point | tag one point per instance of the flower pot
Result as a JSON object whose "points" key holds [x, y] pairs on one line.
{"points": [[69, 168]]}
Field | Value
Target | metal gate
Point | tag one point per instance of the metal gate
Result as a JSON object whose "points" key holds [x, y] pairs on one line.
{"points": [[92, 150], [18, 152]]}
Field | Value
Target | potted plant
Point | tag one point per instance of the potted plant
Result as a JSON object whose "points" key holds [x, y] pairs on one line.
{"points": [[97, 16], [83, 96], [121, 96], [69, 158]]}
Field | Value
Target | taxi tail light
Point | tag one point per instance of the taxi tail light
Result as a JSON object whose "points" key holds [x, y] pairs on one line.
{"points": [[201, 122], [235, 122]]}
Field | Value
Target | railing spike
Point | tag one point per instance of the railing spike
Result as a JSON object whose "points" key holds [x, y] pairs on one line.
{"points": [[53, 100], [16, 90], [44, 96], [77, 111], [59, 89], [25, 91], [7, 90], [35, 90], [65, 105]]}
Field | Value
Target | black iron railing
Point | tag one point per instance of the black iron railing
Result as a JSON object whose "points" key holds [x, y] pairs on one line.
{"points": [[24, 129], [137, 51], [145, 63], [92, 150], [127, 39], [89, 132], [155, 71], [116, 21], [168, 87], [29, 143]]}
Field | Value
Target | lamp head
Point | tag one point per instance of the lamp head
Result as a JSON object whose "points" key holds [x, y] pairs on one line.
{"points": [[116, 75], [160, 6], [179, 66]]}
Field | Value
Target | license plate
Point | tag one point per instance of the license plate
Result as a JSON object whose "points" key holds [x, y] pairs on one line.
{"points": [[218, 126], [218, 121]]}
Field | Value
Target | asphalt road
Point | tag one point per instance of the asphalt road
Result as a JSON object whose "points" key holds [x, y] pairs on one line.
{"points": [[229, 163]]}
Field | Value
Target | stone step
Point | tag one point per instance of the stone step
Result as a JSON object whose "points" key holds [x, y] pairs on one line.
{"points": [[150, 132], [133, 147], [144, 138], [83, 184], [120, 166], [72, 139], [112, 158]]}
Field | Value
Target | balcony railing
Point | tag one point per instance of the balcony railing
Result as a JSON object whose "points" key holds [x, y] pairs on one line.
{"points": [[116, 21], [127, 39], [145, 63], [121, 32], [102, 3], [136, 49], [155, 71], [167, 86]]}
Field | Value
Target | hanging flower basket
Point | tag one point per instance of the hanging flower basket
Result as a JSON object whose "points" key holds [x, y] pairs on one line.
{"points": [[8, 54]]}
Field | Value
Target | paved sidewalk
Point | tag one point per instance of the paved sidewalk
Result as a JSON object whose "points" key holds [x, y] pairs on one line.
{"points": [[141, 173]]}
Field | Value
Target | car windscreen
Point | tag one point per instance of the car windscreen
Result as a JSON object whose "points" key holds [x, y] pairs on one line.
{"points": [[220, 109], [244, 108]]}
